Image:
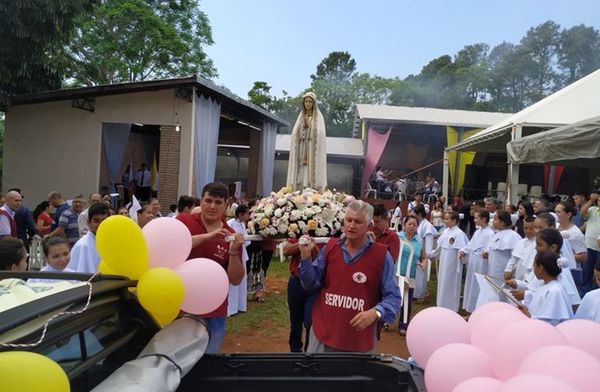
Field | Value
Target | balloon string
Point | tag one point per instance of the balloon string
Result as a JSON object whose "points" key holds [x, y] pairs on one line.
{"points": [[45, 330]]}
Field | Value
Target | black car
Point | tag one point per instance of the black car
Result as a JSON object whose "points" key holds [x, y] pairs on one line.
{"points": [[93, 345]]}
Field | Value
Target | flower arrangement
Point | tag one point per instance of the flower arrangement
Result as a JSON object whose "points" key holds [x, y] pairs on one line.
{"points": [[288, 214]]}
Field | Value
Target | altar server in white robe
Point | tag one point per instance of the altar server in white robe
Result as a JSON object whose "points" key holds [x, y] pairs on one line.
{"points": [[589, 308], [549, 303], [472, 254], [427, 233], [521, 261], [450, 241], [84, 256], [567, 261], [238, 295], [503, 243]]}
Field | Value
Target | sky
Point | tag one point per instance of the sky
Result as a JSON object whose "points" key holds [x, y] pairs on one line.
{"points": [[282, 41]]}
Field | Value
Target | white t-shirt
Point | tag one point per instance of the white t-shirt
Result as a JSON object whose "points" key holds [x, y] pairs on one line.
{"points": [[575, 238], [592, 228]]}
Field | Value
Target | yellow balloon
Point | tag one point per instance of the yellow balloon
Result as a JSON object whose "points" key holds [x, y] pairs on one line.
{"points": [[31, 372], [161, 291], [103, 268], [121, 245]]}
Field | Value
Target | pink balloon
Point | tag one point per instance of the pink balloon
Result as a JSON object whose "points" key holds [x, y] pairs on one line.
{"points": [[433, 328], [569, 364], [479, 384], [490, 325], [206, 285], [583, 334], [517, 341], [535, 383], [455, 363], [491, 307], [169, 242]]}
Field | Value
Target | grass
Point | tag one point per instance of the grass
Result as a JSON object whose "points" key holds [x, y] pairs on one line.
{"points": [[270, 316]]}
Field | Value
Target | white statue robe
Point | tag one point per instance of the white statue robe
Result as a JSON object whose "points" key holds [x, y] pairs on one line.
{"points": [[426, 232], [500, 251], [550, 303], [84, 256], [589, 308], [450, 271], [475, 264], [311, 141], [521, 261], [238, 295]]}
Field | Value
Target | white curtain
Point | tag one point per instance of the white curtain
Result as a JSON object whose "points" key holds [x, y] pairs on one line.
{"points": [[114, 138], [208, 115], [267, 157]]}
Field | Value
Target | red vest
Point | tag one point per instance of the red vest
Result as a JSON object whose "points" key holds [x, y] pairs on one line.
{"points": [[217, 250], [347, 290], [11, 220]]}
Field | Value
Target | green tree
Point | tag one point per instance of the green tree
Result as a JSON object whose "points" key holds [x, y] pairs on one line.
{"points": [[260, 95], [578, 52], [33, 35], [132, 40], [508, 82]]}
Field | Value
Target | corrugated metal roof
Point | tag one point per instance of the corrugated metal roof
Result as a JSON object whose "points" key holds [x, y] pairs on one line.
{"points": [[338, 146], [430, 116]]}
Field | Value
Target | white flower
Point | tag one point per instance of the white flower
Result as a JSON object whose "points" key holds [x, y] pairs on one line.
{"points": [[321, 232], [281, 202], [282, 228], [302, 225], [278, 212], [296, 214], [269, 210]]}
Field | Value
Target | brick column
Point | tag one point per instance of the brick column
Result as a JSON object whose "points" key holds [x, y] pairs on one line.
{"points": [[168, 172]]}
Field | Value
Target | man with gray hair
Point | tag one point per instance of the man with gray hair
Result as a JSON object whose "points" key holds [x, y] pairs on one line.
{"points": [[8, 226], [355, 282], [491, 204]]}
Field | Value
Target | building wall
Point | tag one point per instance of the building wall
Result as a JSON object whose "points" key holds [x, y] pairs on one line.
{"points": [[53, 146], [339, 175]]}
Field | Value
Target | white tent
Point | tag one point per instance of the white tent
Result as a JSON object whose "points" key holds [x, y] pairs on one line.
{"points": [[576, 102], [569, 142]]}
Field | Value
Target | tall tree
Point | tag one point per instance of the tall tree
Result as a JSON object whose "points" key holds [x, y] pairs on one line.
{"points": [[260, 94], [132, 40], [578, 52], [508, 82], [33, 34], [540, 45]]}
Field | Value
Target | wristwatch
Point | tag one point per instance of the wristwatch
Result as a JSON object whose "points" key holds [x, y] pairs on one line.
{"points": [[378, 313]]}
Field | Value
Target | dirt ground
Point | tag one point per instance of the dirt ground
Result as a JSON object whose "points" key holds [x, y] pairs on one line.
{"points": [[269, 337]]}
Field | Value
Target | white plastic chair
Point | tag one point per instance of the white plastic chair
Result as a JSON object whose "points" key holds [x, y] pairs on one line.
{"points": [[370, 190], [280, 247], [535, 191], [521, 189], [403, 279], [501, 191]]}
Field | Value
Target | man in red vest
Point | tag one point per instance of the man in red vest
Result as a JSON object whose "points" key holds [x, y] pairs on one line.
{"points": [[208, 240], [8, 227], [356, 282], [383, 234]]}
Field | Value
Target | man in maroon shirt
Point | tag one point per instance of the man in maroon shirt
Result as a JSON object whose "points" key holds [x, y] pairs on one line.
{"points": [[383, 234], [208, 240]]}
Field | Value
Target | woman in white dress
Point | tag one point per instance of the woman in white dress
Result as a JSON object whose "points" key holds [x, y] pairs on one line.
{"points": [[427, 233], [449, 275], [589, 308], [503, 243], [480, 241], [238, 295], [549, 303], [575, 238]]}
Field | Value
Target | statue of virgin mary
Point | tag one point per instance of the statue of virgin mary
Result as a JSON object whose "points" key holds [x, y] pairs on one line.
{"points": [[307, 166]]}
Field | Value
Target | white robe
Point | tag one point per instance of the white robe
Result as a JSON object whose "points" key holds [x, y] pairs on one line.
{"points": [[49, 268], [500, 251], [475, 264], [238, 295], [521, 261], [550, 303], [426, 232], [84, 256], [589, 308], [450, 273]]}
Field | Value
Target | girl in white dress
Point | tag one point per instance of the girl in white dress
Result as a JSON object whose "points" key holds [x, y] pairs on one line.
{"points": [[426, 233], [549, 303], [521, 261], [473, 255], [237, 299], [503, 243], [449, 276], [56, 255], [575, 238]]}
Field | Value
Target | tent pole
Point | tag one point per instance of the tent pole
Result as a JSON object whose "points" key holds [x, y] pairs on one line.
{"points": [[513, 169], [445, 176]]}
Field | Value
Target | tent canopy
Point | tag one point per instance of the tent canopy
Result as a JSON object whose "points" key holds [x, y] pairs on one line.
{"points": [[569, 142], [575, 102]]}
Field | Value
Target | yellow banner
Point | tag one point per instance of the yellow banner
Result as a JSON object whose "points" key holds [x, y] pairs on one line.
{"points": [[465, 158]]}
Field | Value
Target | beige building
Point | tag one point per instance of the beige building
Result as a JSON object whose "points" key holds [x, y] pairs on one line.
{"points": [[82, 140]]}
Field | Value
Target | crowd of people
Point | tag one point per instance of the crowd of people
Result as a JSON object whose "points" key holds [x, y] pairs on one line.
{"points": [[341, 293]]}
